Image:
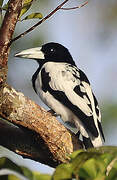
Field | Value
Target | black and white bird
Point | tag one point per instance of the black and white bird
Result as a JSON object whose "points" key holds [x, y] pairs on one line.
{"points": [[66, 90]]}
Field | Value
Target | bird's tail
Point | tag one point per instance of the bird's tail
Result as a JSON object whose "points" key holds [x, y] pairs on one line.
{"points": [[92, 142], [87, 142]]}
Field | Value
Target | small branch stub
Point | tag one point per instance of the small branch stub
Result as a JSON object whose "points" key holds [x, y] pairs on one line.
{"points": [[76, 7]]}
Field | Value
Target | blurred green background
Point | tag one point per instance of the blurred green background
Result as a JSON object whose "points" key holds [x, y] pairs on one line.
{"points": [[90, 33]]}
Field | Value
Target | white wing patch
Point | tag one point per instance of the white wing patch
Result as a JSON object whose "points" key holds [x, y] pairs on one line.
{"points": [[65, 79]]}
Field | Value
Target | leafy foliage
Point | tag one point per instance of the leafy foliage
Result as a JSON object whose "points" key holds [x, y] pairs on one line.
{"points": [[15, 172], [93, 164], [26, 6], [89, 165], [1, 2], [33, 15]]}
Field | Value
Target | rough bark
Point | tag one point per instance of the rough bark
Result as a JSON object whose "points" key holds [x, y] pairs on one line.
{"points": [[6, 32], [38, 135], [52, 138]]}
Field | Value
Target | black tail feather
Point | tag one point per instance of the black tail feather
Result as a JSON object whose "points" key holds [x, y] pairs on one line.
{"points": [[87, 142]]}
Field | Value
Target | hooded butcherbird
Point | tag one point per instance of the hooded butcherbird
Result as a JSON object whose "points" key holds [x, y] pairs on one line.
{"points": [[66, 90]]}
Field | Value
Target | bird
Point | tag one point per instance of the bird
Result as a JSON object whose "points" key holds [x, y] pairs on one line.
{"points": [[66, 90]]}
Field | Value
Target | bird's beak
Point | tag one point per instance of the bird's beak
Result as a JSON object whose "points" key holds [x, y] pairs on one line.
{"points": [[33, 53]]}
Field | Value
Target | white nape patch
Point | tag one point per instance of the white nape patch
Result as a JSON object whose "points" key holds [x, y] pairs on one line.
{"points": [[33, 53]]}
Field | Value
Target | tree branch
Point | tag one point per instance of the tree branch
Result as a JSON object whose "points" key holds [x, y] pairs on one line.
{"points": [[23, 142], [76, 7], [54, 139], [6, 33], [40, 22], [46, 17]]}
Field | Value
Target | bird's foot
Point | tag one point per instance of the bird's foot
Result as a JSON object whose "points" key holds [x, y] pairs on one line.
{"points": [[53, 113]]}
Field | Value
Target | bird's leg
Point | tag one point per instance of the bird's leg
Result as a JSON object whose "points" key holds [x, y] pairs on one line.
{"points": [[53, 112]]}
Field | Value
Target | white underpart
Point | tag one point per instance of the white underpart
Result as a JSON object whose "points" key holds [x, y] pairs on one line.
{"points": [[64, 81]]}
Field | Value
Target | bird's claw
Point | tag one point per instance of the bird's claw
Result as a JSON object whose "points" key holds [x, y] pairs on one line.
{"points": [[53, 113]]}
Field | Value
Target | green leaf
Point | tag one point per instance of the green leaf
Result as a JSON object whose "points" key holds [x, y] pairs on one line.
{"points": [[16, 172], [24, 10], [92, 169], [13, 169], [63, 171], [5, 7], [6, 174], [26, 5], [8, 164], [33, 16], [42, 177], [112, 170], [13, 177], [81, 158], [26, 172], [1, 2], [27, 2], [75, 154]]}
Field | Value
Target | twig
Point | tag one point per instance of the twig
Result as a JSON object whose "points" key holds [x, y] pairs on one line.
{"points": [[76, 7], [40, 22]]}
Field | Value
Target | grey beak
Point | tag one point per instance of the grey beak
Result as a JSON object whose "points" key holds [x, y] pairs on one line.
{"points": [[33, 53]]}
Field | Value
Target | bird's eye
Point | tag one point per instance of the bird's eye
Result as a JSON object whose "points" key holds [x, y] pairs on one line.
{"points": [[52, 49]]}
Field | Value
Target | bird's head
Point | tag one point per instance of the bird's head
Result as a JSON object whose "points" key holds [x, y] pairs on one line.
{"points": [[53, 52]]}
